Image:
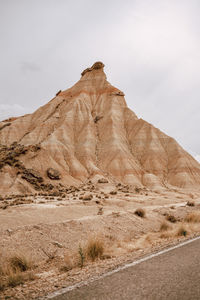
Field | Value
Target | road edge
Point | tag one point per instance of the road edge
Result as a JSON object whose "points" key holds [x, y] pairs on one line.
{"points": [[119, 268]]}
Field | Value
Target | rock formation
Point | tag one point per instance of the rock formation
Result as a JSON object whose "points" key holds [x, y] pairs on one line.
{"points": [[87, 132]]}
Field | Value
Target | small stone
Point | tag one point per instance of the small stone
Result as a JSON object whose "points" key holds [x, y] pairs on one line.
{"points": [[113, 192], [53, 174], [55, 243], [102, 180], [9, 231], [87, 197], [100, 211]]}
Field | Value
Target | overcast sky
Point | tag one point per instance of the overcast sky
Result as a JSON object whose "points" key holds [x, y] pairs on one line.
{"points": [[150, 48]]}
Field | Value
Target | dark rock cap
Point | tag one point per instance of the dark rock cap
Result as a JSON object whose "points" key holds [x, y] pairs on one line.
{"points": [[97, 65]]}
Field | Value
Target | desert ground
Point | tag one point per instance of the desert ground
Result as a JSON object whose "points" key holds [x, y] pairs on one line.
{"points": [[52, 233]]}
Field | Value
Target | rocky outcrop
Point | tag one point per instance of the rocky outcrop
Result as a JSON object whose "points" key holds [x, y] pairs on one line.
{"points": [[53, 174], [9, 154], [96, 66], [5, 125], [86, 133], [32, 176]]}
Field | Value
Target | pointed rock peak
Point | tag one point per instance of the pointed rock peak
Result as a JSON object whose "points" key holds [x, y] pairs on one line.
{"points": [[96, 66]]}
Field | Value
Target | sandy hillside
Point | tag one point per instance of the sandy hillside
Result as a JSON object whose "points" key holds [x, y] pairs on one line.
{"points": [[88, 133]]}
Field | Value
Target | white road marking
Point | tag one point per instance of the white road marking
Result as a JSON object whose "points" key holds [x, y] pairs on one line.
{"points": [[126, 266]]}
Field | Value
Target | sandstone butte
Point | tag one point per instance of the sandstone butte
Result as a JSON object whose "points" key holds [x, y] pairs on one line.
{"points": [[87, 132]]}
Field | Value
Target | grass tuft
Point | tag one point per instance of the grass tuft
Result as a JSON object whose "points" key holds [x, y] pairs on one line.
{"points": [[81, 256], [165, 235], [2, 285], [95, 249], [193, 217], [14, 271], [20, 263], [68, 264], [182, 231], [15, 279], [190, 203], [164, 226], [171, 218]]}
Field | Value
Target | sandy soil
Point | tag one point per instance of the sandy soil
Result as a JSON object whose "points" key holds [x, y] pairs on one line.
{"points": [[58, 226]]}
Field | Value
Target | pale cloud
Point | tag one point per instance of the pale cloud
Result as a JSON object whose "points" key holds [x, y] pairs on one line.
{"points": [[30, 67]]}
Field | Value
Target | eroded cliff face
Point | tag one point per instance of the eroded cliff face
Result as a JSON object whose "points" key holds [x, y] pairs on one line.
{"points": [[85, 133]]}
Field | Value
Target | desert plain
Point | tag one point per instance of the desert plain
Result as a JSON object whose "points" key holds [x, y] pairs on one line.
{"points": [[49, 231]]}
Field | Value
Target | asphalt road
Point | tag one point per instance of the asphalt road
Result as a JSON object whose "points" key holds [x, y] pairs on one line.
{"points": [[171, 275]]}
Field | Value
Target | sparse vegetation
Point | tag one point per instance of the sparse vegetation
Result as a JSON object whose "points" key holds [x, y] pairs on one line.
{"points": [[190, 203], [182, 231], [171, 218], [95, 249], [14, 271], [164, 226], [193, 217], [137, 190], [165, 235], [18, 278], [140, 212], [115, 214], [81, 256], [15, 279], [2, 284], [68, 264], [20, 263]]}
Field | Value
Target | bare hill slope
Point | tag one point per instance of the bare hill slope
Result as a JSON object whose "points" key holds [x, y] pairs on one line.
{"points": [[88, 133]]}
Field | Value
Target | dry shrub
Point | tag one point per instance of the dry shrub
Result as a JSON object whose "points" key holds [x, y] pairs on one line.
{"points": [[1, 270], [165, 235], [18, 278], [115, 214], [15, 279], [2, 284], [20, 263], [149, 238], [68, 264], [137, 190], [95, 249], [181, 231], [111, 237], [171, 218], [190, 203], [81, 256], [13, 271], [193, 217], [140, 212], [164, 226]]}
